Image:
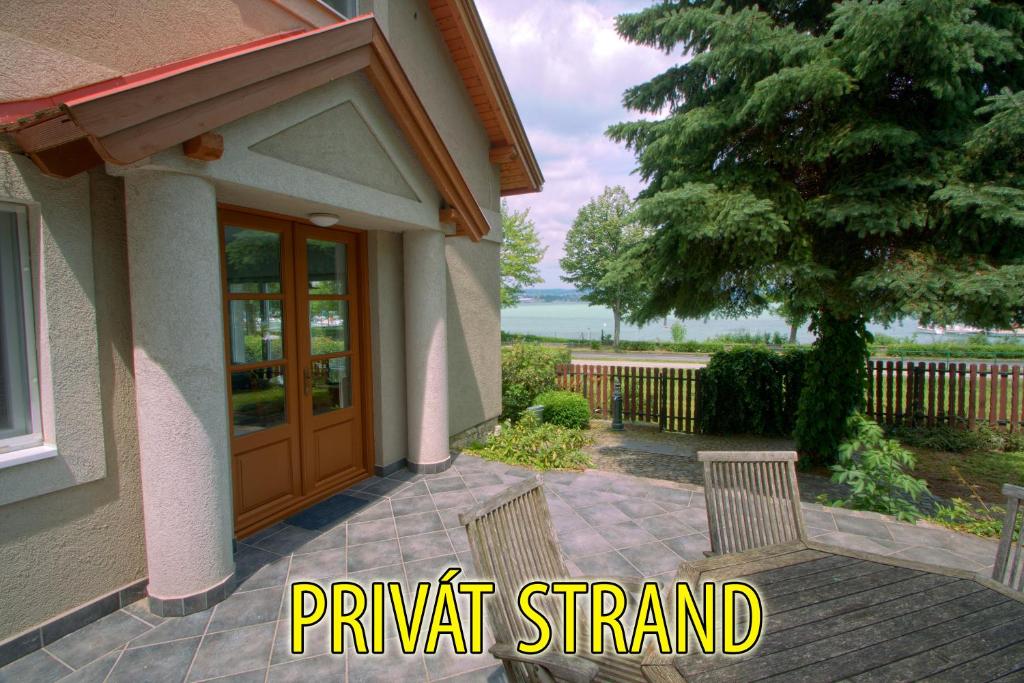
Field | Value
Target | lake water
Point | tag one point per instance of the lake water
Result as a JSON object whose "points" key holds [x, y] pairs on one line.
{"points": [[582, 321]]}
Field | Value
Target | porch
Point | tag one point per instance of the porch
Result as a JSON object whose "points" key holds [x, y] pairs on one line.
{"points": [[405, 527]]}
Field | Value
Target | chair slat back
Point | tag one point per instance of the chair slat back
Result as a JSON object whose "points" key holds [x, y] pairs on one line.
{"points": [[1009, 567], [513, 542], [753, 499]]}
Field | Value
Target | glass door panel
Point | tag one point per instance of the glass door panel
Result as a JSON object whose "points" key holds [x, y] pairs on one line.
{"points": [[327, 263]]}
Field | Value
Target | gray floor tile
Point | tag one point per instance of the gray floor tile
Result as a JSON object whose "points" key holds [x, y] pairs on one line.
{"points": [[140, 610], [287, 541], [450, 499], [652, 559], [431, 569], [690, 547], [322, 668], [321, 566], [941, 557], [450, 516], [479, 479], [492, 674], [96, 671], [247, 609], [421, 547], [863, 543], [662, 495], [602, 514], [606, 565], [666, 526], [373, 555], [412, 506], [163, 663], [412, 491], [39, 667], [583, 542], [422, 523], [638, 509], [625, 535], [330, 539], [369, 532], [379, 510], [460, 539], [568, 521], [316, 641], [394, 572], [863, 526], [231, 652], [446, 663], [446, 485], [97, 639], [820, 519], [256, 568], [175, 629], [393, 666], [257, 676]]}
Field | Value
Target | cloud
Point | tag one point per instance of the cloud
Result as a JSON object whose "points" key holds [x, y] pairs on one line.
{"points": [[567, 69]]}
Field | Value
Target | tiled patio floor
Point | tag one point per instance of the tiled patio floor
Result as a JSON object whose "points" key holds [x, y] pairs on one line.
{"points": [[405, 527]]}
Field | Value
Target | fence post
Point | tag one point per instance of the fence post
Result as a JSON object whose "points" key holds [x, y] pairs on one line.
{"points": [[663, 402], [919, 379]]}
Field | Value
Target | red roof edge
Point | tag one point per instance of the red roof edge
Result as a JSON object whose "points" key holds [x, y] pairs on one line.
{"points": [[25, 111]]}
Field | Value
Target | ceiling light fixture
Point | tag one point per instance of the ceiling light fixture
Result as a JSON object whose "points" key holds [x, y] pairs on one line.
{"points": [[324, 220]]}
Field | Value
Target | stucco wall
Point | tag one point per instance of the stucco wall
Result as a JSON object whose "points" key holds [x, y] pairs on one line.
{"points": [[62, 549], [387, 324], [421, 50], [474, 333]]}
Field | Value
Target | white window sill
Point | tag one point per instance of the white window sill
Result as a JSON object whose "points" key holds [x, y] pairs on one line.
{"points": [[27, 455]]}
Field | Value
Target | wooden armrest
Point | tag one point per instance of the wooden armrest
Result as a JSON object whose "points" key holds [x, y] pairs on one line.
{"points": [[561, 667]]}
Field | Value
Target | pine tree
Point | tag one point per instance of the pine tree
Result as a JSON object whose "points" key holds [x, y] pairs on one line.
{"points": [[862, 159]]}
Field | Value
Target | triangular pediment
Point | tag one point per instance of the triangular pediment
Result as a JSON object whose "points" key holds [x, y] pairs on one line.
{"points": [[339, 142]]}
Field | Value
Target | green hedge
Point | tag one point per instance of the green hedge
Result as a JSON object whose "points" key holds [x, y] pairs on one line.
{"points": [[526, 371], [751, 391], [564, 408]]}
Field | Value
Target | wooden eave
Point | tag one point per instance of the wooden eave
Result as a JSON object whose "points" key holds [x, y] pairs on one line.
{"points": [[467, 42], [126, 124]]}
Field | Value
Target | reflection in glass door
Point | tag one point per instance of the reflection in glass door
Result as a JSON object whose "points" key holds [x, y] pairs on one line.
{"points": [[293, 331]]}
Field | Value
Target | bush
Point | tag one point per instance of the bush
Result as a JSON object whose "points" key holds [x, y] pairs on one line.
{"points": [[541, 446], [984, 520], [952, 440], [526, 371], [565, 409], [751, 391], [875, 470]]}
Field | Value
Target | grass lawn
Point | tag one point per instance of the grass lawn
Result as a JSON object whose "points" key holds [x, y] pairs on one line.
{"points": [[971, 475]]}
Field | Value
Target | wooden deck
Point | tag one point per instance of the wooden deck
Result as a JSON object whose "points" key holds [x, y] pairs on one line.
{"points": [[833, 614]]}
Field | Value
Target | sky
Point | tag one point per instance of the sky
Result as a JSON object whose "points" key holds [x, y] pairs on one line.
{"points": [[567, 69]]}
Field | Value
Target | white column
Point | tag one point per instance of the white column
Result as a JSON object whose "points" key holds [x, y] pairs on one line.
{"points": [[175, 279], [426, 349]]}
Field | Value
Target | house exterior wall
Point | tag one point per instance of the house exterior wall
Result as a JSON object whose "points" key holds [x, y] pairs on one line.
{"points": [[474, 334], [67, 541]]}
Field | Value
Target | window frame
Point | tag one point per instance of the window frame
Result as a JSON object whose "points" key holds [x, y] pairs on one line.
{"points": [[12, 445], [328, 5]]}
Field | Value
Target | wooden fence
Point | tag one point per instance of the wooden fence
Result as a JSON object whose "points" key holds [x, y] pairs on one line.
{"points": [[668, 397], [955, 394], [899, 393]]}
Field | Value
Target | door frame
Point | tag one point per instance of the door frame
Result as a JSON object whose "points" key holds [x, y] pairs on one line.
{"points": [[366, 391]]}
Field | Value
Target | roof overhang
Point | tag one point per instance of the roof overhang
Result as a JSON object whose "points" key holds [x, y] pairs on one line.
{"points": [[129, 122], [467, 42]]}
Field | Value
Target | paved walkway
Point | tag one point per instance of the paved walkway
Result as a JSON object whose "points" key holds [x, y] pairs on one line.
{"points": [[405, 528]]}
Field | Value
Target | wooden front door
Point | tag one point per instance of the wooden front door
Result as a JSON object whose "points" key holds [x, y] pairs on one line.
{"points": [[297, 351]]}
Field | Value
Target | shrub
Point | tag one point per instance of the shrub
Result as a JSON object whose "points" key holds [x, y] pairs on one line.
{"points": [[875, 470], [526, 371], [564, 408], [984, 520], [751, 391], [678, 333], [541, 446], [953, 440]]}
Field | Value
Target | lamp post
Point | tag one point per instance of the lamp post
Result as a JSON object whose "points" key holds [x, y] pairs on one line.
{"points": [[617, 425]]}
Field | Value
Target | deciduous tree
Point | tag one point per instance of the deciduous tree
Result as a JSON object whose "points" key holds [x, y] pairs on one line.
{"points": [[604, 230], [521, 254]]}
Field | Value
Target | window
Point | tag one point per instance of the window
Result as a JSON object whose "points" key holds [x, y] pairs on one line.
{"points": [[19, 382], [346, 8]]}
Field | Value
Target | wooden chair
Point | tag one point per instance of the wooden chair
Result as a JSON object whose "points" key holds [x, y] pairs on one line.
{"points": [[1009, 567], [752, 500], [513, 543]]}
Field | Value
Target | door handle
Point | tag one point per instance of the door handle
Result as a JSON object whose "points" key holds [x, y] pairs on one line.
{"points": [[307, 381]]}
